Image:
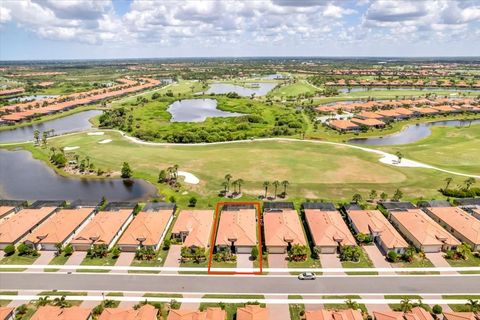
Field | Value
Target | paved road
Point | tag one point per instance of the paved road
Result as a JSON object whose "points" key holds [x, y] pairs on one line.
{"points": [[246, 284]]}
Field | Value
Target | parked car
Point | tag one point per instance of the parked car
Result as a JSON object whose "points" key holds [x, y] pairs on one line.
{"points": [[307, 276]]}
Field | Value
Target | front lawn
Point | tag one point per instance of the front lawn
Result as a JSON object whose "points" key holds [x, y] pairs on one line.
{"points": [[343, 306], [295, 308], [471, 261], [364, 262], [16, 259], [106, 261], [61, 259]]}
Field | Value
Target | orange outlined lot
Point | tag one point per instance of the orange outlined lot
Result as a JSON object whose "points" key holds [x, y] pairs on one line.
{"points": [[214, 234]]}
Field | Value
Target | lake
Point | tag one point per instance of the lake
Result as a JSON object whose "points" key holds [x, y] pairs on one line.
{"points": [[411, 133], [26, 178], [32, 97], [74, 122], [197, 110], [259, 89]]}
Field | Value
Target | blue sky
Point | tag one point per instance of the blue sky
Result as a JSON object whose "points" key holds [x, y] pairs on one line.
{"points": [[96, 29]]}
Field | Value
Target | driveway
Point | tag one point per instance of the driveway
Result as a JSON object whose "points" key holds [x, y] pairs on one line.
{"points": [[278, 311], [130, 304], [277, 260], [378, 259], [173, 258], [439, 261], [330, 261], [90, 304], [243, 260], [45, 258], [376, 307], [124, 259], [76, 258]]}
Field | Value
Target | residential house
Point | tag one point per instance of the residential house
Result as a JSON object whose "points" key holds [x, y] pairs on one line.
{"points": [[147, 230], [369, 123], [282, 228], [58, 313], [105, 228], [462, 225], [387, 315], [212, 313], [17, 226], [193, 228], [237, 230], [252, 312], [328, 230], [460, 316], [375, 224], [145, 312], [343, 125], [424, 233], [323, 314], [60, 228], [7, 313]]}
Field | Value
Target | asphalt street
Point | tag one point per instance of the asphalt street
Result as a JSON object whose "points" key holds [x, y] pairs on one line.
{"points": [[241, 284]]}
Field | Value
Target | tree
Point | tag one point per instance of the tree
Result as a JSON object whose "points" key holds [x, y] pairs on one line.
{"points": [[59, 247], [192, 202], [68, 250], [350, 304], [357, 198], [437, 309], [266, 184], [44, 138], [224, 184], [174, 304], [285, 184], [61, 302], [473, 305], [9, 250], [228, 177], [24, 250], [115, 252], [397, 195], [254, 253], [298, 253], [469, 182], [162, 176], [126, 171], [448, 181], [399, 156], [275, 184], [239, 183], [36, 136], [406, 305], [350, 253], [464, 250], [383, 196], [392, 256], [42, 301]]}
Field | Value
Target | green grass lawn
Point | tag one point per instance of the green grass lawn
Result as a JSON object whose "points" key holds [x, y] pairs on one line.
{"points": [[418, 262], [58, 260], [364, 262], [295, 308], [292, 90], [342, 306], [107, 261], [4, 303], [471, 261], [16, 259], [230, 308], [163, 295], [61, 293]]}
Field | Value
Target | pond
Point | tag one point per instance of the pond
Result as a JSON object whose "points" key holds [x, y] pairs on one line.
{"points": [[361, 89], [26, 178], [32, 97], [276, 76], [74, 122], [196, 110], [259, 89], [411, 133]]}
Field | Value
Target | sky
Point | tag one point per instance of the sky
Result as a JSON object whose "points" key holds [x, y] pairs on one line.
{"points": [[106, 29]]}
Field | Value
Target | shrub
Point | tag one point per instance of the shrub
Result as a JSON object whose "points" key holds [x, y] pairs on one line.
{"points": [[166, 244], [24, 250], [9, 250], [192, 202], [437, 309], [68, 250], [392, 256], [254, 252], [115, 252], [174, 304]]}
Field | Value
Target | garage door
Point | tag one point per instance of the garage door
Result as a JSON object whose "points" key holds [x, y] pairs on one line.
{"points": [[244, 249]]}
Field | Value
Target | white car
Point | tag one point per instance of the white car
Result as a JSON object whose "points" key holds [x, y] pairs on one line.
{"points": [[307, 276]]}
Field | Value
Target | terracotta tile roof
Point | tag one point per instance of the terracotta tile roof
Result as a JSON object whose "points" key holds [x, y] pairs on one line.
{"points": [[444, 108], [370, 115], [283, 227], [328, 228], [209, 314], [11, 91], [368, 221], [252, 312], [323, 314], [148, 225], [388, 113], [104, 225], [145, 312], [5, 312], [342, 124], [404, 111], [387, 315], [423, 228], [15, 226], [240, 225], [198, 224], [60, 226], [418, 313], [459, 315], [461, 221], [368, 122], [425, 110], [5, 210], [57, 313]]}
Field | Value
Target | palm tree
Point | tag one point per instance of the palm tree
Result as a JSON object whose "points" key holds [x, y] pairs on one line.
{"points": [[352, 304], [53, 149], [170, 171], [448, 181], [239, 183], [234, 184], [42, 301], [285, 184], [175, 171], [61, 302], [36, 136], [228, 177], [275, 184], [109, 303], [473, 305], [225, 186], [406, 305], [399, 156], [266, 184], [469, 182], [373, 194], [87, 159]]}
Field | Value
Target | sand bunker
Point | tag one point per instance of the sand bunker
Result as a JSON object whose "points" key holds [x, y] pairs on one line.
{"points": [[189, 178], [70, 148], [96, 133], [105, 141]]}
